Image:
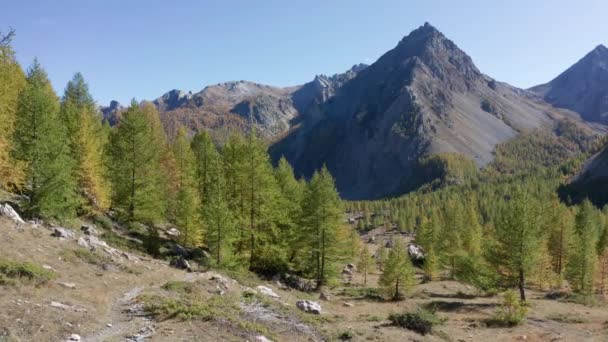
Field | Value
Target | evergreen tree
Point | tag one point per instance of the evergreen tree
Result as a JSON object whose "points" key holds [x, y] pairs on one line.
{"points": [[398, 276], [86, 142], [41, 144], [137, 177], [187, 215], [518, 239], [365, 264], [206, 156], [583, 259], [428, 238], [12, 82], [561, 235], [322, 217]]}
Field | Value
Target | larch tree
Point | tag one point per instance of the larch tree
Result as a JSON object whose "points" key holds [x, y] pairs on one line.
{"points": [[428, 238], [187, 211], [41, 145], [12, 82], [87, 142], [365, 263], [322, 219], [518, 235], [582, 263], [205, 156], [398, 275], [137, 177]]}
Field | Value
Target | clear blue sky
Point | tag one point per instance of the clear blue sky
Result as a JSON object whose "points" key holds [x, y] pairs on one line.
{"points": [[141, 49]]}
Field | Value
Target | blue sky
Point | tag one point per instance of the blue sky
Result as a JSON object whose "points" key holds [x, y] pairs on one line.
{"points": [[141, 49]]}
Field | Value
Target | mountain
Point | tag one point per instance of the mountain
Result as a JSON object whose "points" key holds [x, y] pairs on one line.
{"points": [[423, 97], [112, 112], [582, 88]]}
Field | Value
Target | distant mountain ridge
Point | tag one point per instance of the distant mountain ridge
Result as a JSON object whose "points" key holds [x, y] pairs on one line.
{"points": [[582, 88]]}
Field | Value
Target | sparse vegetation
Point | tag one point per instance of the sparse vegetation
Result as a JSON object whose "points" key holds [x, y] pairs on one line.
{"points": [[189, 307], [12, 273], [511, 312], [421, 321]]}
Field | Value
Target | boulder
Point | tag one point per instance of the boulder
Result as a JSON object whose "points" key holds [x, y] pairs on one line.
{"points": [[309, 306], [389, 244], [83, 242], [8, 211], [324, 296], [63, 233], [89, 230], [74, 338], [181, 263], [173, 232], [67, 285], [415, 252], [179, 250], [372, 239], [261, 338], [267, 291], [298, 283], [348, 305]]}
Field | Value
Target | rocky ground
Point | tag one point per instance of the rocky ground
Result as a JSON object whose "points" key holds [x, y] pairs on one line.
{"points": [[103, 293]]}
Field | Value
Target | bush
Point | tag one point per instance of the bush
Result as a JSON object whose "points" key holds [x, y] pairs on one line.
{"points": [[512, 311], [346, 336], [12, 271], [188, 307], [103, 221], [420, 321]]}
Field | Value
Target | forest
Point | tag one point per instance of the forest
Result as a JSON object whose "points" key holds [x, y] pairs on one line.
{"points": [[502, 227]]}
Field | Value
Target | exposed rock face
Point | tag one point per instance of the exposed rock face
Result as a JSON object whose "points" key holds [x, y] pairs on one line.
{"points": [[112, 113], [582, 88], [423, 97], [8, 211]]}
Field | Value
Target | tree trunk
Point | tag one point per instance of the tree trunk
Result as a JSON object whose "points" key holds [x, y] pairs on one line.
{"points": [[522, 281]]}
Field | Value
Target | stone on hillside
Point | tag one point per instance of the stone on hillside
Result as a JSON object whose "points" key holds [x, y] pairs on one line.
{"points": [[299, 283], [74, 338], [89, 230], [8, 211], [83, 242], [348, 305], [59, 305], [324, 296], [68, 285], [415, 252], [372, 239], [63, 233], [181, 263], [309, 306], [262, 338], [389, 244], [267, 291], [179, 250], [173, 232]]}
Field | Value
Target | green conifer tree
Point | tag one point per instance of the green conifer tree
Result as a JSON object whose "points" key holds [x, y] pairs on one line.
{"points": [[582, 263], [397, 278], [365, 263], [41, 144]]}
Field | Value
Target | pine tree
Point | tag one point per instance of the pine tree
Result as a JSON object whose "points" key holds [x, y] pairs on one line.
{"points": [[205, 155], [41, 144], [518, 239], [12, 82], [583, 259], [86, 142], [322, 218], [187, 215], [561, 236], [428, 238], [398, 276], [365, 264], [137, 178]]}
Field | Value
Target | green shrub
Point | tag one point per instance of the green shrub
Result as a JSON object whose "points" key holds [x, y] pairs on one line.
{"points": [[188, 307], [346, 335], [103, 221], [179, 286], [11, 272], [421, 321], [85, 255], [512, 311]]}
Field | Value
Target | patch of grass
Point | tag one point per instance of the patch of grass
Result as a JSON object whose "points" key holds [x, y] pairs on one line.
{"points": [[511, 312], [578, 298], [85, 255], [103, 221], [179, 286], [346, 335], [421, 321], [189, 307], [13, 272], [362, 292], [571, 319], [243, 277], [120, 242]]}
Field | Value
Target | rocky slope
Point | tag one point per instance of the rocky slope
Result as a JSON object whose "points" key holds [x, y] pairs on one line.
{"points": [[582, 88], [425, 96], [242, 105]]}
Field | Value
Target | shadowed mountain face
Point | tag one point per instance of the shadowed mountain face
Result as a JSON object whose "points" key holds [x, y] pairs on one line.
{"points": [[582, 88], [423, 97]]}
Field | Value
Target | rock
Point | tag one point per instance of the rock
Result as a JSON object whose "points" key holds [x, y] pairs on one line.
{"points": [[309, 306], [556, 294], [107, 267], [89, 230], [352, 267], [324, 296], [68, 285], [181, 263], [109, 325], [173, 232], [299, 283], [347, 271], [93, 241], [223, 282], [267, 291], [142, 334], [8, 211], [261, 338], [348, 305], [83, 242], [47, 267], [63, 233], [372, 239], [389, 244], [415, 252], [74, 338], [61, 306], [179, 251], [522, 338]]}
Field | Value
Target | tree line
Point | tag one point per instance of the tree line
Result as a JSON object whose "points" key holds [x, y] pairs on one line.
{"points": [[66, 162]]}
